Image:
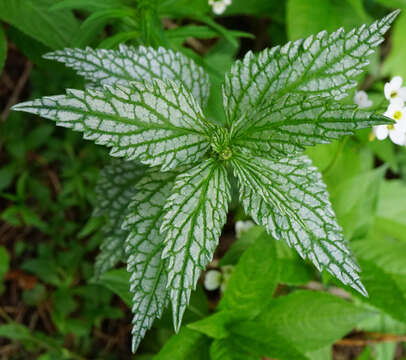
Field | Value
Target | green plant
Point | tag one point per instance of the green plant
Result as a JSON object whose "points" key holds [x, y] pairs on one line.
{"points": [[171, 193]]}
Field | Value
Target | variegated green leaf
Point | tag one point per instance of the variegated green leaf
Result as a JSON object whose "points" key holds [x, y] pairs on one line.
{"points": [[289, 198], [321, 65], [127, 64], [285, 126], [157, 123], [114, 190], [144, 247], [195, 214]]}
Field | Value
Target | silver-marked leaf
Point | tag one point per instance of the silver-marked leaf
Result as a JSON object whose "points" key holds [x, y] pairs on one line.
{"points": [[144, 246], [127, 64], [322, 65], [114, 190], [195, 214], [288, 197], [286, 126], [157, 123]]}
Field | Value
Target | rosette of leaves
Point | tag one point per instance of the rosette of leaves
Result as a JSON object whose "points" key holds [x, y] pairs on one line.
{"points": [[171, 190]]}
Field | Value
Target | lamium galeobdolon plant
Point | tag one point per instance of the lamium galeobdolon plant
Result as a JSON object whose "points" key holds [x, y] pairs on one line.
{"points": [[166, 198]]}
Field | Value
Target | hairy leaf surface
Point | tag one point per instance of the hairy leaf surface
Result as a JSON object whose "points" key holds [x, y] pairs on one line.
{"points": [[114, 191], [288, 197], [285, 126], [196, 213], [321, 65], [127, 64], [157, 123], [144, 246]]}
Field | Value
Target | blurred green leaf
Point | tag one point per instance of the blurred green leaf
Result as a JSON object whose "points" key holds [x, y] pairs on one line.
{"points": [[383, 292], [395, 62], [33, 17], [355, 202], [118, 282], [254, 279], [185, 345], [306, 17], [226, 349], [4, 262], [310, 320]]}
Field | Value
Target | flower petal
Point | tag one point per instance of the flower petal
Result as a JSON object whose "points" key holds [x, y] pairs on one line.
{"points": [[396, 82], [381, 132], [387, 90], [402, 93], [397, 136]]}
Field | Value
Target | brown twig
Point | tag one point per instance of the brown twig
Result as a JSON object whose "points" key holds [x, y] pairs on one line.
{"points": [[17, 90], [371, 338]]}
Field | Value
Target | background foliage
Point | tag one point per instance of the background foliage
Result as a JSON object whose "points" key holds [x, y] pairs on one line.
{"points": [[53, 307]]}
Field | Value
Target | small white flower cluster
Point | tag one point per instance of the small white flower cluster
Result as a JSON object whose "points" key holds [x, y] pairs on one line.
{"points": [[219, 6], [215, 279], [396, 94]]}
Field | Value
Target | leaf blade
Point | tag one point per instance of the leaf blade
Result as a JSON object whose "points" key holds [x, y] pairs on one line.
{"points": [[157, 123], [127, 64], [321, 65], [114, 190], [288, 197], [144, 246], [200, 195], [286, 126]]}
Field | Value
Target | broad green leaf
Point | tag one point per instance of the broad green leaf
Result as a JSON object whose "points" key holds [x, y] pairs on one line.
{"points": [[355, 202], [227, 349], [323, 65], [289, 199], [383, 291], [187, 344], [114, 191], [305, 17], [129, 64], [386, 252], [395, 62], [144, 250], [254, 279], [3, 49], [54, 29], [310, 320], [253, 338], [157, 123], [391, 212], [325, 353], [214, 326], [195, 214], [284, 126], [89, 5]]}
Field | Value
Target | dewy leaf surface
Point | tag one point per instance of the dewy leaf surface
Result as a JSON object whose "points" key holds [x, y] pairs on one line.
{"points": [[157, 123], [287, 125], [321, 65], [114, 190], [144, 246], [127, 64], [196, 213], [289, 198]]}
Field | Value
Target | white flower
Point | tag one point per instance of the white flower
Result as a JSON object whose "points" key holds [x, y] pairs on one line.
{"points": [[212, 280], [397, 132], [243, 226], [394, 90], [219, 6], [362, 100]]}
